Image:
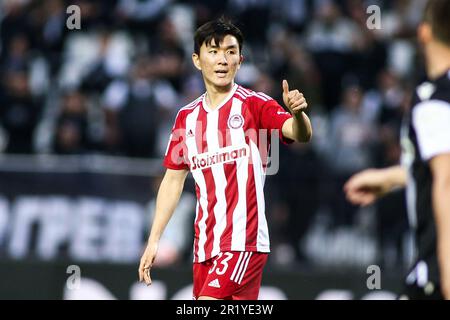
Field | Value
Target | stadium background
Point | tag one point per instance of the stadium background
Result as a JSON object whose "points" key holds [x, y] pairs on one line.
{"points": [[85, 116]]}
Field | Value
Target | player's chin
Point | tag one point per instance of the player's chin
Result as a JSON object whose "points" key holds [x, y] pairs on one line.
{"points": [[222, 82]]}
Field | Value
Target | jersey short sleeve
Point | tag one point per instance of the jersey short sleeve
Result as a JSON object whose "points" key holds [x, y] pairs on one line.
{"points": [[176, 152], [273, 116], [431, 121]]}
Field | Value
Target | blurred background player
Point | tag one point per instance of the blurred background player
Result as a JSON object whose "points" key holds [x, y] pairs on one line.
{"points": [[217, 138], [425, 166]]}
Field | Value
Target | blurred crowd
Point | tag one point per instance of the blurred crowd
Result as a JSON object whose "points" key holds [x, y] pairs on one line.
{"points": [[114, 86]]}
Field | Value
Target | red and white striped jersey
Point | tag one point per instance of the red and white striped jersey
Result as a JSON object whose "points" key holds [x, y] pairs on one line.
{"points": [[225, 149]]}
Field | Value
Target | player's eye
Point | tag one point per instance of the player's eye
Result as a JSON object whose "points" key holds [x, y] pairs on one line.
{"points": [[231, 52], [213, 51]]}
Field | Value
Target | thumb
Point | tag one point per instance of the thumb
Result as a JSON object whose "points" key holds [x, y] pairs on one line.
{"points": [[285, 87]]}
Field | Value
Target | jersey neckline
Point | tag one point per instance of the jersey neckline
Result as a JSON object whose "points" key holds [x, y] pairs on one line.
{"points": [[225, 100]]}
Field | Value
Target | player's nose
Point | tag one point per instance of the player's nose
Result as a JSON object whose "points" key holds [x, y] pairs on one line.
{"points": [[223, 59]]}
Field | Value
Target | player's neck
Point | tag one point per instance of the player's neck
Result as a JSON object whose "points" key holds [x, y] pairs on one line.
{"points": [[216, 95], [439, 60]]}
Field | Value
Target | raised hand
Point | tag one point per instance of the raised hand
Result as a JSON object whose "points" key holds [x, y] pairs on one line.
{"points": [[294, 100]]}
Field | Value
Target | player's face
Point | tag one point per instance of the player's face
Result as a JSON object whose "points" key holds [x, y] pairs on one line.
{"points": [[219, 63]]}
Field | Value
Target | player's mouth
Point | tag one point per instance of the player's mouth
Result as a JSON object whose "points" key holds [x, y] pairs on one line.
{"points": [[221, 73]]}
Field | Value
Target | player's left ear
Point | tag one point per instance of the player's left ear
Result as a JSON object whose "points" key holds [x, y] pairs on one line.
{"points": [[196, 61], [241, 59], [424, 33]]}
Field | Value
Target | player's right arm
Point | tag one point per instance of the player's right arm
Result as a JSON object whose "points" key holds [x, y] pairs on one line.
{"points": [[167, 199], [365, 187]]}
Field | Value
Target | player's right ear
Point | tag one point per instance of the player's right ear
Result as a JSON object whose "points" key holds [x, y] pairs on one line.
{"points": [[196, 61]]}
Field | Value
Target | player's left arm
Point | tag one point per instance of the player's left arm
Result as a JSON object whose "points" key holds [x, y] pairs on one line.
{"points": [[440, 168], [299, 127]]}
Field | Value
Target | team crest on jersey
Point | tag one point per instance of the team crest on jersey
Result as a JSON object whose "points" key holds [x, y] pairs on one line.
{"points": [[236, 121]]}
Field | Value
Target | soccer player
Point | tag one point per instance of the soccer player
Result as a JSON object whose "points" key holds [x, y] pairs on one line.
{"points": [[425, 166], [218, 139]]}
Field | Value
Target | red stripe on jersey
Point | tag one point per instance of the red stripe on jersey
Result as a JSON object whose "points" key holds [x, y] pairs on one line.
{"points": [[231, 191], [252, 210], [200, 131], [211, 219], [196, 228]]}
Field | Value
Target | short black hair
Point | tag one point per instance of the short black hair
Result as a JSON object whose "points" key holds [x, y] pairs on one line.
{"points": [[217, 30], [437, 16]]}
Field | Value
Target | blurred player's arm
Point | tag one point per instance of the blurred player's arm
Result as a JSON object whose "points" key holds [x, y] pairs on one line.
{"points": [[166, 201], [440, 168], [365, 187], [298, 128]]}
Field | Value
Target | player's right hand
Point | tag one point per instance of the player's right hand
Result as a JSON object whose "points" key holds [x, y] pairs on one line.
{"points": [[365, 187], [147, 262]]}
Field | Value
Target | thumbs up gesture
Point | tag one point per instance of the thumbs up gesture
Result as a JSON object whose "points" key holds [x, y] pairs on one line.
{"points": [[294, 100]]}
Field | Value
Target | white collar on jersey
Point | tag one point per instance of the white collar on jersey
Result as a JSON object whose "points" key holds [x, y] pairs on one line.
{"points": [[224, 101]]}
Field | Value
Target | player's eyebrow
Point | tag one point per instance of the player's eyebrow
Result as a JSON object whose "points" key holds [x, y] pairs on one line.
{"points": [[232, 46]]}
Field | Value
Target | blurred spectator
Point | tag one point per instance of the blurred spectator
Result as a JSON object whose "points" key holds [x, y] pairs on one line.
{"points": [[295, 199], [352, 134], [110, 62], [106, 55], [399, 29], [252, 17], [292, 13], [50, 31], [19, 112], [14, 20], [393, 96], [369, 56], [134, 109], [352, 137], [297, 65], [167, 54], [331, 37], [72, 135], [141, 15], [206, 10], [17, 54]]}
